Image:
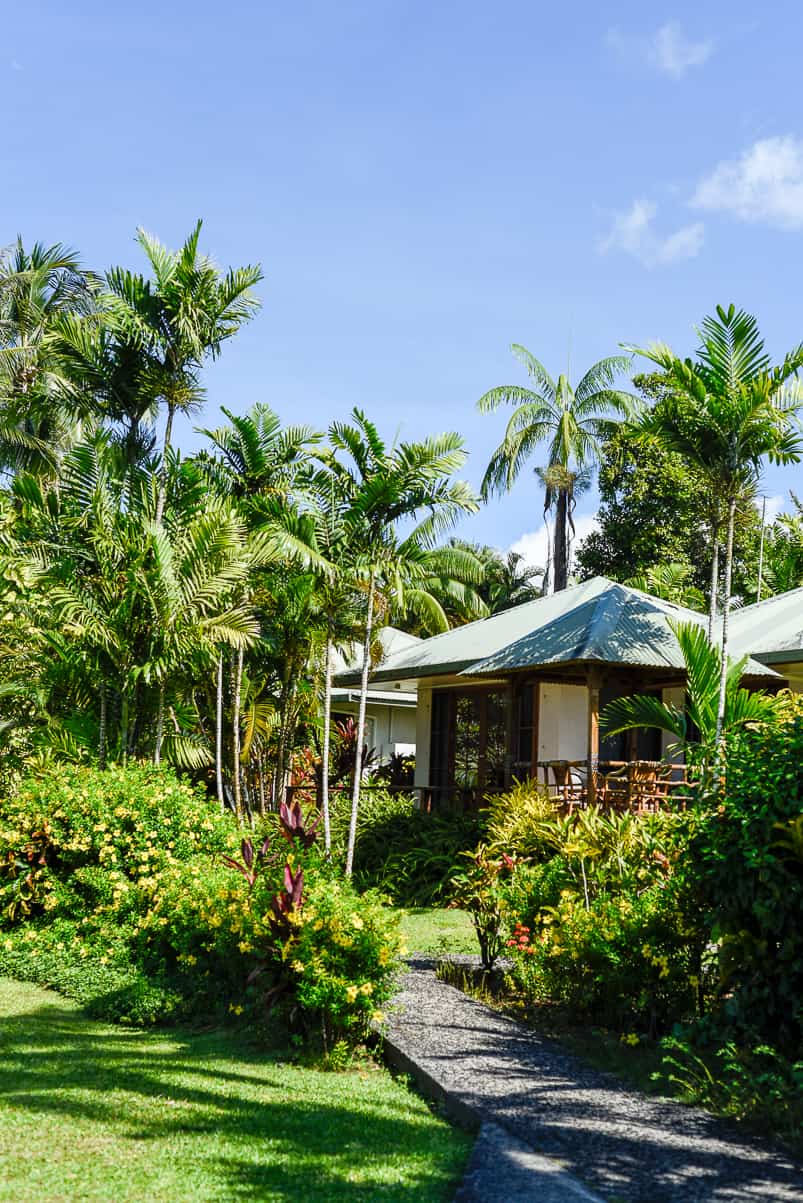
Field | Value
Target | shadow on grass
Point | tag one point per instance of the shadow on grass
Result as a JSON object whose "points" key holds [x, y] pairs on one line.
{"points": [[246, 1122]]}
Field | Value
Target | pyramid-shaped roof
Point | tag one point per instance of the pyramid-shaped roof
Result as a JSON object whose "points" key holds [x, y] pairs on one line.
{"points": [[595, 622]]}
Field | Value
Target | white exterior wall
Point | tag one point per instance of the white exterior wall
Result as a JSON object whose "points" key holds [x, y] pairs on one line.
{"points": [[562, 722], [423, 715], [389, 729], [676, 696]]}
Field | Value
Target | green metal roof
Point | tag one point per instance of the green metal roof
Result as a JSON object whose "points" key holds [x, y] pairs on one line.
{"points": [[598, 621], [617, 626], [772, 630]]}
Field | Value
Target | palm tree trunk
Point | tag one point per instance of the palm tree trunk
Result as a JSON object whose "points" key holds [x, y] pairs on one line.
{"points": [[160, 503], [261, 768], [219, 733], [712, 609], [124, 729], [366, 664], [160, 726], [726, 605], [235, 735], [560, 557], [327, 718], [102, 725]]}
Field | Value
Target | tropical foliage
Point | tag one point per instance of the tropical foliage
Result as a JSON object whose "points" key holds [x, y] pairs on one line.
{"points": [[571, 422]]}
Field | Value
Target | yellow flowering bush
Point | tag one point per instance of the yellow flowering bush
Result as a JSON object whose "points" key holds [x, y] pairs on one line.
{"points": [[343, 955], [77, 839], [626, 961]]}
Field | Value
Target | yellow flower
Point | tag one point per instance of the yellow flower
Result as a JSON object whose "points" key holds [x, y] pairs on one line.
{"points": [[297, 966], [357, 922], [238, 1010], [351, 994], [378, 1016], [367, 988], [632, 1039], [244, 946]]}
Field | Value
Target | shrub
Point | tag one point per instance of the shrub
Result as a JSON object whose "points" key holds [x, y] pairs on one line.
{"points": [[343, 954], [76, 839], [140, 905], [748, 1083], [478, 889], [746, 861], [627, 961], [402, 851], [515, 821]]}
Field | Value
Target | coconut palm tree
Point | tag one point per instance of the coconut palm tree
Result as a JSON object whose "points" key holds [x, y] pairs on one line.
{"points": [[409, 482], [571, 422], [726, 412], [181, 317]]}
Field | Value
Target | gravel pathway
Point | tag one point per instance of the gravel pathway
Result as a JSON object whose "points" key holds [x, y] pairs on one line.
{"points": [[488, 1069]]}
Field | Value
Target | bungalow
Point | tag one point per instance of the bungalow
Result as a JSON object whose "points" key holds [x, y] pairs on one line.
{"points": [[520, 694], [390, 718]]}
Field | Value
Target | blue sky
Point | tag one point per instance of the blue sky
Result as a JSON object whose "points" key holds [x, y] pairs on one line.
{"points": [[424, 184]]}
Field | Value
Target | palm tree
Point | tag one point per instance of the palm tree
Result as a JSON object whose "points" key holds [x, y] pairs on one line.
{"points": [[507, 579], [725, 413], [697, 726], [180, 317], [570, 421], [672, 582], [406, 482], [39, 288], [255, 456]]}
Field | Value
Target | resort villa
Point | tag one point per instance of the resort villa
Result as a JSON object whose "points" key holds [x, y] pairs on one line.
{"points": [[390, 713], [520, 694]]}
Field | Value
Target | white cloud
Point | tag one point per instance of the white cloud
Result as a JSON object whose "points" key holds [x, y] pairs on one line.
{"points": [[633, 232], [764, 184], [668, 50], [533, 545], [775, 505]]}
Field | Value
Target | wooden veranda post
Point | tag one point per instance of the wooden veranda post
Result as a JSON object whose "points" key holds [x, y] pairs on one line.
{"points": [[594, 683]]}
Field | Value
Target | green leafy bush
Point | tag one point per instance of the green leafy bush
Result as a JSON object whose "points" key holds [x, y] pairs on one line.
{"points": [[145, 903], [627, 962], [746, 861], [76, 839], [402, 851], [753, 1083]]}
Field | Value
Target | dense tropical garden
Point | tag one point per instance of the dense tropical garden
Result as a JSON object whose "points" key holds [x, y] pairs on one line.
{"points": [[169, 629]]}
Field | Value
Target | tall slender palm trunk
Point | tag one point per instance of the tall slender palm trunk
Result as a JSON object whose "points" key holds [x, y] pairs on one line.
{"points": [[160, 726], [726, 605], [102, 727], [366, 664], [712, 609], [325, 754], [561, 554], [219, 733], [124, 729], [235, 735], [160, 501]]}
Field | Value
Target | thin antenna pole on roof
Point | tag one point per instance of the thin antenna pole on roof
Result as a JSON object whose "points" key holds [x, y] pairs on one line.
{"points": [[761, 548]]}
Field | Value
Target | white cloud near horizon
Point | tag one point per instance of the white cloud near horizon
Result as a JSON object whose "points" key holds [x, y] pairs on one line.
{"points": [[765, 183], [633, 232], [533, 545], [667, 50]]}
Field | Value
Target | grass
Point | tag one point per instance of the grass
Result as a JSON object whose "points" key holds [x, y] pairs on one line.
{"points": [[439, 931], [94, 1112]]}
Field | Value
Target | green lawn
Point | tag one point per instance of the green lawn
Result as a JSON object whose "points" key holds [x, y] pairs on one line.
{"points": [[434, 930], [94, 1112]]}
